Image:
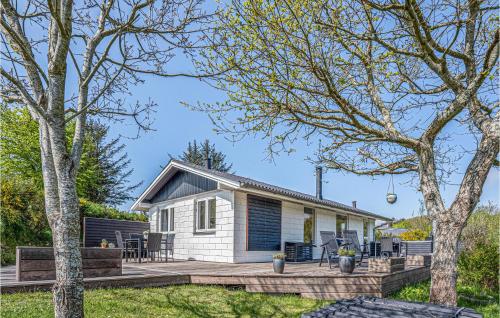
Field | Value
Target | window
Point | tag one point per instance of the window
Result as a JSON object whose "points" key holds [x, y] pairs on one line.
{"points": [[341, 224], [205, 215], [171, 220], [308, 225], [167, 220], [366, 224]]}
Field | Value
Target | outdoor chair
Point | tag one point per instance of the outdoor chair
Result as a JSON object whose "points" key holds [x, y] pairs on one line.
{"points": [[169, 246], [135, 241], [386, 246], [351, 240], [329, 246], [154, 246], [126, 252]]}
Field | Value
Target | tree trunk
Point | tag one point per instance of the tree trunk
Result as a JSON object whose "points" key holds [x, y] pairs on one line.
{"points": [[61, 204], [444, 261], [68, 289], [448, 223]]}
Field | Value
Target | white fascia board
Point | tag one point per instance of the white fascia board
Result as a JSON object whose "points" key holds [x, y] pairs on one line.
{"points": [[139, 205]]}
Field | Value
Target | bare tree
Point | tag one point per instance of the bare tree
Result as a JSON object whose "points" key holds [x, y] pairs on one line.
{"points": [[388, 84], [67, 61]]}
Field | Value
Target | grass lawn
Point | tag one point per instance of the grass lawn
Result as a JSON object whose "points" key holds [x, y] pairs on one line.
{"points": [[483, 301], [173, 301], [212, 301]]}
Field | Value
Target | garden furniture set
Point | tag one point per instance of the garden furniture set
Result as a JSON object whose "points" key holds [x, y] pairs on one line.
{"points": [[331, 244], [150, 247]]}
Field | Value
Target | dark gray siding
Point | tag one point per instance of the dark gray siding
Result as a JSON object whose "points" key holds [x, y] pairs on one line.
{"points": [[264, 224], [183, 184]]}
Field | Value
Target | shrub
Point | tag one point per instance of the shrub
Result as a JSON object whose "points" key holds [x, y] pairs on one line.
{"points": [[414, 235], [421, 223], [479, 266], [91, 209], [478, 263]]}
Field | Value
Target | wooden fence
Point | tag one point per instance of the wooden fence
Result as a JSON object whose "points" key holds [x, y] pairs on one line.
{"points": [[97, 229], [417, 247]]}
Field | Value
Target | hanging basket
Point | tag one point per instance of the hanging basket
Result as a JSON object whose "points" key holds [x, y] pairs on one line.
{"points": [[391, 198]]}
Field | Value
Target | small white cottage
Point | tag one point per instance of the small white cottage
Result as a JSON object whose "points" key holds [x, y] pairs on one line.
{"points": [[222, 217]]}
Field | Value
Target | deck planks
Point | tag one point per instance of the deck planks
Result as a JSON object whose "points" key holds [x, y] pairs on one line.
{"points": [[306, 279]]}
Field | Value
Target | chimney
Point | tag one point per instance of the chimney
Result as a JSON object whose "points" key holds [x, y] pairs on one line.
{"points": [[209, 163], [354, 204], [319, 182]]}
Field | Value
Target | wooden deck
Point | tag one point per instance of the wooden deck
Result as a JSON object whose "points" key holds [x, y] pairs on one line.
{"points": [[306, 279]]}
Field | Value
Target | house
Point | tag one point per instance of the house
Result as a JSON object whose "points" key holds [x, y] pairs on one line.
{"points": [[223, 217]]}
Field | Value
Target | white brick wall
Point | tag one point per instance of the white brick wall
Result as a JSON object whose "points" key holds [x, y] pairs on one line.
{"points": [[215, 247]]}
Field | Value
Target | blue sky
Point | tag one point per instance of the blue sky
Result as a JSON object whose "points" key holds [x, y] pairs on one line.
{"points": [[175, 126]]}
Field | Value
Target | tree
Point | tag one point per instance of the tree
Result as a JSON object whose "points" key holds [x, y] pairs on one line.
{"points": [[388, 84], [68, 61], [198, 153], [104, 173]]}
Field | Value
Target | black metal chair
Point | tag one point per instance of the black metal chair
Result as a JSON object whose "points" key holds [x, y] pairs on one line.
{"points": [[169, 246], [126, 250], [386, 247], [351, 240], [154, 246], [329, 246], [136, 242]]}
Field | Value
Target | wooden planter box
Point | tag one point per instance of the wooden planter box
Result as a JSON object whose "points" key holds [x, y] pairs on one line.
{"points": [[386, 265], [37, 263], [418, 260]]}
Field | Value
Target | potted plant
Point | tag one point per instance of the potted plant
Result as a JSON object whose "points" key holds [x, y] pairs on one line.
{"points": [[279, 263], [104, 243], [347, 260]]}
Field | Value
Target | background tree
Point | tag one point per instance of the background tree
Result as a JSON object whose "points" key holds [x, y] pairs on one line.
{"points": [[389, 85], [197, 153], [104, 172], [67, 61], [101, 177]]}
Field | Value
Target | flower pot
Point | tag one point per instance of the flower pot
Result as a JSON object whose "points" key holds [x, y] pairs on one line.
{"points": [[346, 264], [278, 265], [104, 245]]}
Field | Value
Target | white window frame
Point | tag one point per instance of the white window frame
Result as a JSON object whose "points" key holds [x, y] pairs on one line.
{"points": [[170, 221], [197, 228]]}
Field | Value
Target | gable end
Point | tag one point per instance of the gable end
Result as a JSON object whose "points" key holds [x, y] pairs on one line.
{"points": [[183, 184]]}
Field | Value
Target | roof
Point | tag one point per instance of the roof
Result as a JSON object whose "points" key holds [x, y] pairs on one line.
{"points": [[248, 183]]}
